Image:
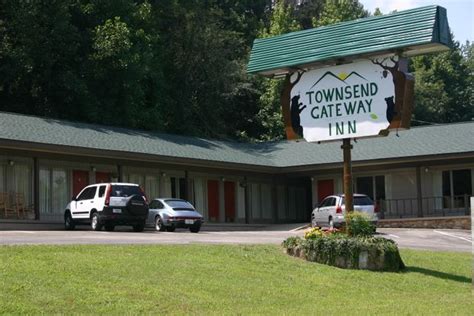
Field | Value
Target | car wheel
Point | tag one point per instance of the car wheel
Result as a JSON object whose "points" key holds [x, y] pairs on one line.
{"points": [[331, 223], [69, 222], [195, 228], [138, 228], [95, 224], [109, 227], [170, 229], [159, 226]]}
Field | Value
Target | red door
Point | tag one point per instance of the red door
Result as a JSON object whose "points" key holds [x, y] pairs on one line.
{"points": [[213, 200], [325, 188], [102, 177], [80, 179], [229, 201]]}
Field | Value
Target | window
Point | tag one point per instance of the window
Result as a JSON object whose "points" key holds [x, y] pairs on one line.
{"points": [[151, 186], [2, 178], [92, 192], [360, 201], [379, 188], [456, 186], [179, 204], [462, 183], [157, 205], [87, 194], [45, 191], [125, 190], [178, 188], [54, 192], [182, 188], [173, 187], [102, 190], [365, 185], [330, 201], [59, 192], [16, 179], [373, 187]]}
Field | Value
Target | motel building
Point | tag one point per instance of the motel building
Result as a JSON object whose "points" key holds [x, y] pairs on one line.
{"points": [[422, 172]]}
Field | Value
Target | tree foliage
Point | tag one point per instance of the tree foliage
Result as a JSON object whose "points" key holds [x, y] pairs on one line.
{"points": [[444, 91], [336, 11]]}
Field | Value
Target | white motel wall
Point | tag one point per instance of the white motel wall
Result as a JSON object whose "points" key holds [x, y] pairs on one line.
{"points": [[426, 172]]}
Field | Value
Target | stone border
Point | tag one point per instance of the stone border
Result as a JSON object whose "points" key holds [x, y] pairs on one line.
{"points": [[451, 222]]}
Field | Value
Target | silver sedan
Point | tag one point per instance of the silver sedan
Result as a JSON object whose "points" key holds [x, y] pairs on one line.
{"points": [[169, 214]]}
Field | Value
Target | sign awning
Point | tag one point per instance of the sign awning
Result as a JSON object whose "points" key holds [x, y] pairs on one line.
{"points": [[410, 32]]}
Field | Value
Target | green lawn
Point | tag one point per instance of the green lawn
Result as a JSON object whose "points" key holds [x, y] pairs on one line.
{"points": [[211, 279]]}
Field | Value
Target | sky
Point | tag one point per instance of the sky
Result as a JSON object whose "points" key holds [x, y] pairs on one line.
{"points": [[460, 13]]}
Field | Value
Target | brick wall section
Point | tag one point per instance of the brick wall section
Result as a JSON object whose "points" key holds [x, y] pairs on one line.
{"points": [[458, 222]]}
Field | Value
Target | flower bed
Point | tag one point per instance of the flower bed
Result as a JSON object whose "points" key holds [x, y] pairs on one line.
{"points": [[347, 251]]}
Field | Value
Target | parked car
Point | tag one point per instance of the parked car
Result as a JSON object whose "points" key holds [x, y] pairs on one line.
{"points": [[169, 214], [330, 212], [107, 205]]}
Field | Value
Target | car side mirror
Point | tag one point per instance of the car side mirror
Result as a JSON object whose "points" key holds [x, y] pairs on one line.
{"points": [[73, 198]]}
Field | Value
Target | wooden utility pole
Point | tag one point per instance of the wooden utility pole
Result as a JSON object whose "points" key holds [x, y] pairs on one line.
{"points": [[348, 194]]}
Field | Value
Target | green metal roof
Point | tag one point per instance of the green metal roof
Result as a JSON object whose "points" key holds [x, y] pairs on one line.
{"points": [[25, 130], [413, 32]]}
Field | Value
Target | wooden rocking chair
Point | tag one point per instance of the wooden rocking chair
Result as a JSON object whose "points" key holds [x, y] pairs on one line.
{"points": [[5, 206], [20, 206]]}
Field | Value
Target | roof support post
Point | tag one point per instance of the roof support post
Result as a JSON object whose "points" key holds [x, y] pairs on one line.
{"points": [[186, 186], [119, 171], [348, 194], [419, 197], [36, 194], [246, 199], [274, 200]]}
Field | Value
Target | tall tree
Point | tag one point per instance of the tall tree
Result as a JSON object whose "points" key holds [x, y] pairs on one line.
{"points": [[444, 86], [336, 11], [270, 113]]}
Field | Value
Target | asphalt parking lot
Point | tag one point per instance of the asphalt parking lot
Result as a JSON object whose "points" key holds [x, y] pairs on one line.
{"points": [[430, 239]]}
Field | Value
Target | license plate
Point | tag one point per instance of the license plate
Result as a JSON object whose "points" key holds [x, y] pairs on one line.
{"points": [[117, 210], [189, 221]]}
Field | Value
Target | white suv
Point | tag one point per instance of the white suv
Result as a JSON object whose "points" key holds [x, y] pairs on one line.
{"points": [[107, 205], [330, 212]]}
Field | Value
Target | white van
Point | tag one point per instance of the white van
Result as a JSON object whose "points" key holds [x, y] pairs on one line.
{"points": [[330, 212]]}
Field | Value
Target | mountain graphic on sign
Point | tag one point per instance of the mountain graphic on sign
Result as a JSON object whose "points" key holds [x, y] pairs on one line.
{"points": [[341, 77]]}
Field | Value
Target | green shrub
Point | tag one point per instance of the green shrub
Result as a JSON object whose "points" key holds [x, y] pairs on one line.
{"points": [[359, 224], [345, 252], [291, 242], [313, 233]]}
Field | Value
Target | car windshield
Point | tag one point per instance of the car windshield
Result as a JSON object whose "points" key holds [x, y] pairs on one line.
{"points": [[361, 200], [179, 204], [125, 190]]}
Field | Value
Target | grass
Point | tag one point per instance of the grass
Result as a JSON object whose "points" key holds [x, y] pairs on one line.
{"points": [[212, 279]]}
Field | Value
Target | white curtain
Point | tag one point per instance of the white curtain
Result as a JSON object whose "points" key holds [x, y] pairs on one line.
{"points": [[137, 178], [23, 181], [267, 201], [199, 197], [151, 187], [45, 191], [60, 195]]}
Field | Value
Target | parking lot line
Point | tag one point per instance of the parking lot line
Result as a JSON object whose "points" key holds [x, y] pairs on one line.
{"points": [[454, 236], [395, 236]]}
